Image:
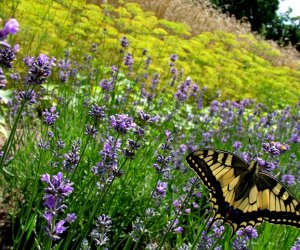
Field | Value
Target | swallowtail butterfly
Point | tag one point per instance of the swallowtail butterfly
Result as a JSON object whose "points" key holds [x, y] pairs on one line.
{"points": [[240, 193]]}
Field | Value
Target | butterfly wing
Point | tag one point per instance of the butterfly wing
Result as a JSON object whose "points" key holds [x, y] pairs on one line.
{"points": [[264, 199], [275, 203]]}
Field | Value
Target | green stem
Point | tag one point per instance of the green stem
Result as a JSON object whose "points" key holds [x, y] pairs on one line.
{"points": [[200, 233], [176, 216], [8, 143]]}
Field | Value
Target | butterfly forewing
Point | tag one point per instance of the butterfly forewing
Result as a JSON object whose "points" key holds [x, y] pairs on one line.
{"points": [[239, 195]]}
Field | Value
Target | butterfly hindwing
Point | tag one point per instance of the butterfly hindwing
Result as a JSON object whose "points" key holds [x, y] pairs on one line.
{"points": [[240, 194]]}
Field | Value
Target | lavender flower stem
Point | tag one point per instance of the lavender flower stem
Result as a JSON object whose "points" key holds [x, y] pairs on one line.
{"points": [[81, 155], [100, 202], [11, 136], [200, 233], [144, 213], [110, 184], [218, 240], [176, 215]]}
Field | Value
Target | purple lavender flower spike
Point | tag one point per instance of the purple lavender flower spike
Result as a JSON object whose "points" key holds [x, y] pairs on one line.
{"points": [[106, 85], [160, 191], [237, 145], [28, 96], [288, 179], [56, 191], [50, 116], [243, 236], [72, 157], [124, 42], [91, 131], [173, 57], [296, 245], [3, 80], [295, 138], [40, 70], [103, 226], [128, 60], [97, 112], [10, 27], [178, 230], [7, 56], [122, 123], [148, 118]]}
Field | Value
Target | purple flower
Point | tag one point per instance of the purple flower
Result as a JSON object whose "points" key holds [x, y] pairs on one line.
{"points": [[248, 232], [7, 56], [106, 85], [173, 57], [261, 162], [214, 107], [288, 179], [110, 148], [11, 26], [178, 230], [138, 229], [113, 70], [72, 157], [39, 70], [60, 144], [104, 222], [218, 229], [124, 42], [271, 148], [177, 204], [15, 76], [295, 138], [3, 80], [50, 116], [131, 147], [182, 91], [147, 63], [122, 123], [237, 145], [28, 60], [28, 96], [128, 60], [244, 235], [65, 69], [91, 131], [97, 112], [148, 118], [107, 169], [57, 185], [155, 81], [71, 217], [56, 191], [161, 188], [45, 145], [103, 226], [296, 245]]}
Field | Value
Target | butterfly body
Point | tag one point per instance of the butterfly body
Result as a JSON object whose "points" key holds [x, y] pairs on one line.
{"points": [[240, 193]]}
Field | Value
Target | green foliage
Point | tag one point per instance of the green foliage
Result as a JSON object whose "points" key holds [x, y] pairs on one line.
{"points": [[282, 28], [238, 66]]}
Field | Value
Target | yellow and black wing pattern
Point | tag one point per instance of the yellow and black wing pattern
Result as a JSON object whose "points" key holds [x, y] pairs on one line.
{"points": [[241, 195]]}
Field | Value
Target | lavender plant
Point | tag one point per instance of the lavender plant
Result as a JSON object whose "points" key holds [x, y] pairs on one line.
{"points": [[110, 142]]}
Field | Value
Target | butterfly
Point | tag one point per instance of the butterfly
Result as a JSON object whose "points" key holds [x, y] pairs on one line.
{"points": [[240, 193]]}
